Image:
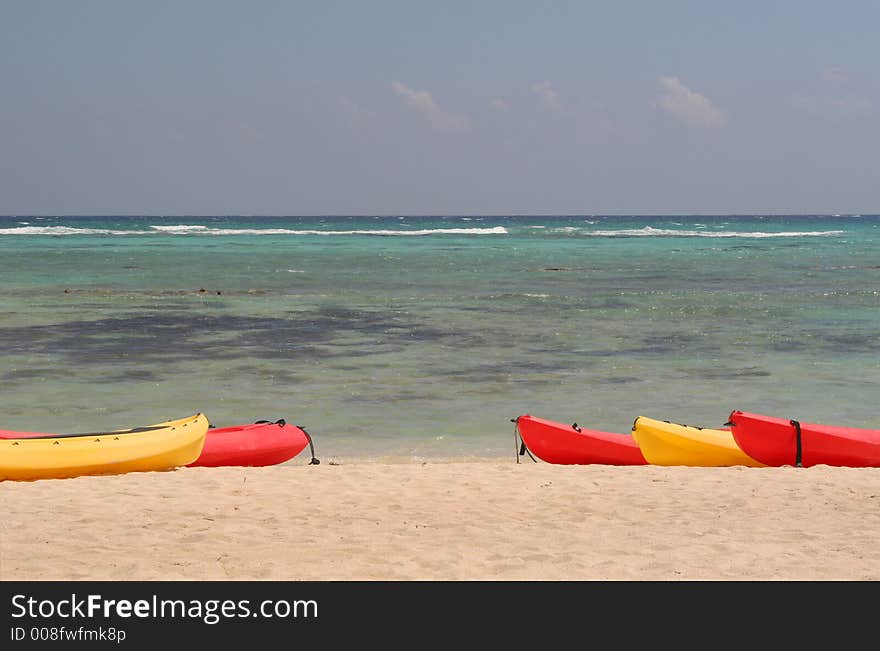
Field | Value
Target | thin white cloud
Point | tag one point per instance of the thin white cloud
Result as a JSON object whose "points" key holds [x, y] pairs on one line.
{"points": [[549, 97], [832, 73], [852, 106], [687, 105], [352, 111], [835, 108], [423, 102], [499, 104]]}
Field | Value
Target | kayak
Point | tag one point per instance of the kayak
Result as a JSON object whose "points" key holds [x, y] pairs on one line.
{"points": [[787, 442], [29, 456], [670, 444], [263, 443], [570, 444]]}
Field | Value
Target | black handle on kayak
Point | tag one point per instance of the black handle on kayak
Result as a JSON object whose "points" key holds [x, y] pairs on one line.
{"points": [[798, 454]]}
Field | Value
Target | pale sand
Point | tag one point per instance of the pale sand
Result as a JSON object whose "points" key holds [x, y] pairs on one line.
{"points": [[482, 520]]}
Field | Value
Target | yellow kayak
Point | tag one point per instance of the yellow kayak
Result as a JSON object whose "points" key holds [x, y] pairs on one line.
{"points": [[162, 446], [668, 444]]}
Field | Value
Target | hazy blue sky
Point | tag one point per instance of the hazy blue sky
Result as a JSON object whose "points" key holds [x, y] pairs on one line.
{"points": [[448, 107]]}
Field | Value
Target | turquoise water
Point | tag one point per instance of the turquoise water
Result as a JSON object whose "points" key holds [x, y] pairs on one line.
{"points": [[422, 337]]}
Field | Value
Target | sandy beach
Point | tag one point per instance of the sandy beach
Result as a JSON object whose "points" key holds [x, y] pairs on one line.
{"points": [[446, 520]]}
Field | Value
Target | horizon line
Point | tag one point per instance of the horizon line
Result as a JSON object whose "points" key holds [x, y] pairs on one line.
{"points": [[458, 215]]}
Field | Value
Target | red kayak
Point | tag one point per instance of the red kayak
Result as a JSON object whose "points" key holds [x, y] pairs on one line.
{"points": [[263, 443], [787, 442], [569, 444]]}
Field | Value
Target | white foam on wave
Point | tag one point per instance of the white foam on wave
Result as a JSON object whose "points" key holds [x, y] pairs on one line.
{"points": [[192, 229], [497, 230], [64, 230], [180, 228], [649, 231]]}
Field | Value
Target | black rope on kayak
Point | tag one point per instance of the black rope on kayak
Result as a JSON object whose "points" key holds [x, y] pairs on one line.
{"points": [[133, 430], [520, 449], [798, 455], [281, 423], [315, 461]]}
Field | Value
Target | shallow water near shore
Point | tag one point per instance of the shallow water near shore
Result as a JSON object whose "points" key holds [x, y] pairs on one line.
{"points": [[422, 337]]}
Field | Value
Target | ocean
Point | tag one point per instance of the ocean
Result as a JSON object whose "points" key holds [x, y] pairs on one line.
{"points": [[421, 338]]}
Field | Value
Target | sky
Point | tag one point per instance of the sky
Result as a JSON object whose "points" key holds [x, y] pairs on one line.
{"points": [[480, 107]]}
